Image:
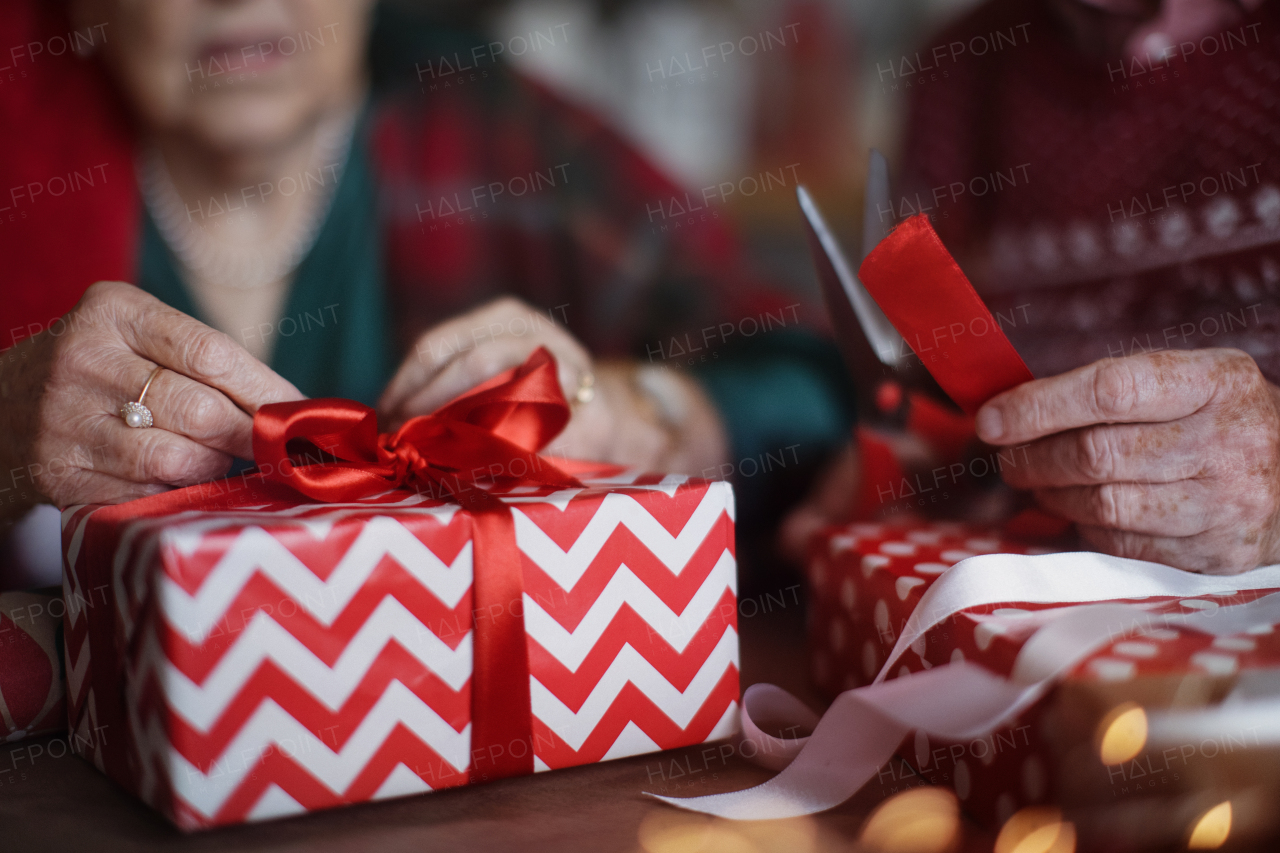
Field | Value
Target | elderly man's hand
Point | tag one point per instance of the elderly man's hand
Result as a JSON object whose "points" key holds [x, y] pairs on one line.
{"points": [[62, 439], [1172, 457]]}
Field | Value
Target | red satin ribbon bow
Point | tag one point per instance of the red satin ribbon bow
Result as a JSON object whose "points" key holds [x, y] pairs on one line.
{"points": [[492, 434]]}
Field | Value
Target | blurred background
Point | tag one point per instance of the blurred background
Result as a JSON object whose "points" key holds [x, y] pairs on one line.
{"points": [[727, 91]]}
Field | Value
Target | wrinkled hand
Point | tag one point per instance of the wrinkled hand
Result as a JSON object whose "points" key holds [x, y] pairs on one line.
{"points": [[618, 420], [61, 436], [461, 353], [1172, 457]]}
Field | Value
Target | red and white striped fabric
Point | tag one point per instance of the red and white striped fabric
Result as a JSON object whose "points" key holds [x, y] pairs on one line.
{"points": [[243, 665]]}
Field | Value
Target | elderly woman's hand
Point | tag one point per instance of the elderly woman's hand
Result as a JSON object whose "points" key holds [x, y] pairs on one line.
{"points": [[62, 438], [647, 417], [1170, 456], [459, 354]]}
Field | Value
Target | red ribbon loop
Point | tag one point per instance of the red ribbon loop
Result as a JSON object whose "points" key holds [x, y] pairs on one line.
{"points": [[330, 450], [929, 300]]}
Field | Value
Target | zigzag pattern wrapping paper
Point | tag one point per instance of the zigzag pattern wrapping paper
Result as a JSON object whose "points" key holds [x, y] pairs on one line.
{"points": [[247, 664]]}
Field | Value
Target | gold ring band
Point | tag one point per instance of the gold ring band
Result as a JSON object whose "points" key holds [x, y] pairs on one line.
{"points": [[134, 413], [147, 387]]}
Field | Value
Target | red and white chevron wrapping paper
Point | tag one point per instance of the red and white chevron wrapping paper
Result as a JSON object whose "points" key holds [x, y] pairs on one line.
{"points": [[866, 579], [32, 698], [248, 664]]}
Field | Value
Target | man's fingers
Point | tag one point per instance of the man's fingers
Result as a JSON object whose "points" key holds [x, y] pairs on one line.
{"points": [[1136, 546], [1143, 453], [185, 345], [1188, 554], [1184, 508], [1148, 388]]}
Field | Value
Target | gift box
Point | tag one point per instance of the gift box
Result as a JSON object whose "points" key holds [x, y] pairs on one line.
{"points": [[32, 698], [240, 651], [866, 578], [243, 664], [1151, 711]]}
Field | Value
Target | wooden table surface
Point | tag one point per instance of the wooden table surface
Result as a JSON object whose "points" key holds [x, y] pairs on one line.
{"points": [[64, 804]]}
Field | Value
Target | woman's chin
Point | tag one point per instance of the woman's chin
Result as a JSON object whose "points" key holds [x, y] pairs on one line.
{"points": [[249, 121]]}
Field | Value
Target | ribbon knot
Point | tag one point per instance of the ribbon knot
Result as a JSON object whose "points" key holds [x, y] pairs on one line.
{"points": [[403, 458], [330, 450]]}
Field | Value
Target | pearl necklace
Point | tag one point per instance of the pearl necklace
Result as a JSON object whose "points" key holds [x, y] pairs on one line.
{"points": [[203, 259]]}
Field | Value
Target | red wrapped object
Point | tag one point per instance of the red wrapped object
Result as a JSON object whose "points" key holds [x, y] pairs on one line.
{"points": [[32, 695], [865, 579], [1072, 748], [260, 653]]}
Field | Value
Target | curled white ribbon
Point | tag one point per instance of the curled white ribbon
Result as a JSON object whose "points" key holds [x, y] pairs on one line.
{"points": [[961, 701]]}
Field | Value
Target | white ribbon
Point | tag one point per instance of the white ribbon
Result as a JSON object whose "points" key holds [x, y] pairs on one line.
{"points": [[961, 701]]}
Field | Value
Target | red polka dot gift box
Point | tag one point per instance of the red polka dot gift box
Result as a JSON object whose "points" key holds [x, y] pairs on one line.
{"points": [[1154, 711]]}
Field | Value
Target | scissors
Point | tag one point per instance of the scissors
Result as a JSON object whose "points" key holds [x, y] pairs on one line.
{"points": [[887, 373]]}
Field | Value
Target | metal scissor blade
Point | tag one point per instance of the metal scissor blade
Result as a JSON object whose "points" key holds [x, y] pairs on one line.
{"points": [[877, 221], [863, 332], [877, 205]]}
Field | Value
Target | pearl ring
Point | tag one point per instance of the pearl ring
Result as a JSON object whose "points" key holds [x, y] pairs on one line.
{"points": [[135, 414]]}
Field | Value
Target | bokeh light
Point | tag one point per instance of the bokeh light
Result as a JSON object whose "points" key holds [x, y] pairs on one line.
{"points": [[922, 820], [1123, 733], [1212, 829], [1037, 830], [671, 831], [666, 830]]}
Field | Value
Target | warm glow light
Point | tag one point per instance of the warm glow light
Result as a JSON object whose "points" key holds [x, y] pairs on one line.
{"points": [[1037, 830], [793, 835], [719, 838], [1124, 733], [1212, 828], [922, 820], [670, 831]]}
